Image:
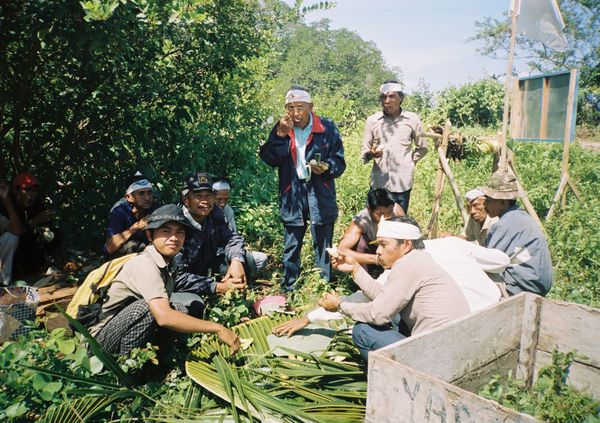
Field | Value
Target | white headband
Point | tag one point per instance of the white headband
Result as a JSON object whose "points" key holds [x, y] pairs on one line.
{"points": [[294, 96], [397, 230], [219, 185], [389, 87], [138, 185], [473, 194]]}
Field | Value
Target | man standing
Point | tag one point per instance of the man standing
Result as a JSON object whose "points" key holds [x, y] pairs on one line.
{"points": [[199, 260], [138, 309], [417, 288], [518, 235], [308, 153], [388, 140], [128, 218]]}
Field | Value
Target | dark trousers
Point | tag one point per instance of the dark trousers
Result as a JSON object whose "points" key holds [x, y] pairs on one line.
{"points": [[402, 199], [293, 237], [134, 327]]}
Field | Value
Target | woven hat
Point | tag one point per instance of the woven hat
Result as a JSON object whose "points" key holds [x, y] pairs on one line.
{"points": [[502, 185]]}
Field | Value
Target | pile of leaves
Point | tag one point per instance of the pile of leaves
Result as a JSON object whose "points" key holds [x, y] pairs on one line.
{"points": [[300, 387]]}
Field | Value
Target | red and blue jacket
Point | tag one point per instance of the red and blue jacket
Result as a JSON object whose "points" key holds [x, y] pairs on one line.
{"points": [[280, 152]]}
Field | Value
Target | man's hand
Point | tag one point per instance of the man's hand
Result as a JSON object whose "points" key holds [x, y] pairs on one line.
{"points": [[330, 301], [317, 170], [230, 338], [343, 263], [228, 285], [284, 126], [290, 327], [235, 271], [140, 225]]}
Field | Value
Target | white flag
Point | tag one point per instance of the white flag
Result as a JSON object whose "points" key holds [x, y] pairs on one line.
{"points": [[540, 20]]}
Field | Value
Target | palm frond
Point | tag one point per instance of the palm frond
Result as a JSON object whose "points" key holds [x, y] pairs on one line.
{"points": [[312, 388]]}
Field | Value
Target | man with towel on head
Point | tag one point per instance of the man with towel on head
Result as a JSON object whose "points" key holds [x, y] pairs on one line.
{"points": [[388, 140], [417, 288], [479, 222], [128, 218], [308, 153]]}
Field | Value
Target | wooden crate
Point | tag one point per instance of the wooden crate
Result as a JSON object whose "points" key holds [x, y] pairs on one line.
{"points": [[433, 377]]}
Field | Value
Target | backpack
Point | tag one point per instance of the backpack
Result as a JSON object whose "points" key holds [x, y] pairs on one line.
{"points": [[86, 304]]}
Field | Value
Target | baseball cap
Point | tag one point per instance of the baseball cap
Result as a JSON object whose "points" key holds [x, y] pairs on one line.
{"points": [[199, 181], [165, 214]]}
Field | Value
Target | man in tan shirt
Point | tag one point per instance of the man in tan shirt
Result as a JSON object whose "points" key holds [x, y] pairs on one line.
{"points": [[418, 289], [388, 139], [138, 309]]}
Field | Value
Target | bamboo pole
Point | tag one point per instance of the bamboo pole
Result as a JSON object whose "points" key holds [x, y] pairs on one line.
{"points": [[565, 179], [525, 198], [439, 182], [507, 83], [452, 181]]}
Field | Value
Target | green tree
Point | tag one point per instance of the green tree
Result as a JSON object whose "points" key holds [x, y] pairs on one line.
{"points": [[477, 103], [582, 19], [91, 92], [342, 71]]}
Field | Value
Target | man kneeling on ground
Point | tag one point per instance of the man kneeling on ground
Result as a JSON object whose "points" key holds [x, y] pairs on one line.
{"points": [[138, 310], [418, 289]]}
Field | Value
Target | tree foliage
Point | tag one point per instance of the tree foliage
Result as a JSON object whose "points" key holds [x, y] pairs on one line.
{"points": [[476, 103], [582, 19], [91, 92], [342, 71]]}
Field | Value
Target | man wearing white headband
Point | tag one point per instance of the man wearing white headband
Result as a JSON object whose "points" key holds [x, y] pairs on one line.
{"points": [[418, 289], [479, 222], [388, 139], [308, 153], [128, 218]]}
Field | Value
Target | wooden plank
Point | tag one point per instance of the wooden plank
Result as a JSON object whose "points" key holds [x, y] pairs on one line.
{"points": [[398, 394], [474, 380], [570, 326], [452, 350], [582, 376], [544, 111], [529, 337], [50, 295]]}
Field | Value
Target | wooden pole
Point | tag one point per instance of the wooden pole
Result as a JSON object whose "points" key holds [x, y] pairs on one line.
{"points": [[452, 181], [439, 183], [565, 179], [525, 198], [507, 81]]}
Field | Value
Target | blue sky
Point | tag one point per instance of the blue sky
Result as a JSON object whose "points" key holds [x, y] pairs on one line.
{"points": [[425, 38]]}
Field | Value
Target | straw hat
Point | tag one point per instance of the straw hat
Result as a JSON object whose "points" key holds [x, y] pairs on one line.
{"points": [[502, 185]]}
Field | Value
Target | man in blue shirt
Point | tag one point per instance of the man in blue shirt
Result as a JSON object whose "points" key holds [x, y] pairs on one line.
{"points": [[517, 235], [308, 153], [127, 220], [199, 262]]}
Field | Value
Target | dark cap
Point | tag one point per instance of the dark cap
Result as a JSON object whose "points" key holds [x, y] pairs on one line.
{"points": [[165, 214], [199, 181]]}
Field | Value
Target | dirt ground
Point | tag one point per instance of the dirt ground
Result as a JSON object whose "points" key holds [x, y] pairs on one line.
{"points": [[590, 144]]}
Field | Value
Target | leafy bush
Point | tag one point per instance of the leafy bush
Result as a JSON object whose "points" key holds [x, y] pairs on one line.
{"points": [[477, 103], [550, 399]]}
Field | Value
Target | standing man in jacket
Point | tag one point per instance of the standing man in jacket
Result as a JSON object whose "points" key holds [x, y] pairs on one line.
{"points": [[388, 140], [308, 153]]}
